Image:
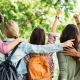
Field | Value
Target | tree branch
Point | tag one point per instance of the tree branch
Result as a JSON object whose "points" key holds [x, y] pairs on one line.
{"points": [[29, 20]]}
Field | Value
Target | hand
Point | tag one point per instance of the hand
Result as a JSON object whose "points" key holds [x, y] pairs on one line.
{"points": [[68, 43], [70, 51], [22, 40], [58, 11], [76, 17]]}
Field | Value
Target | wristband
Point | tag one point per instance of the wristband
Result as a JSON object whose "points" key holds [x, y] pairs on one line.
{"points": [[57, 17], [78, 23]]}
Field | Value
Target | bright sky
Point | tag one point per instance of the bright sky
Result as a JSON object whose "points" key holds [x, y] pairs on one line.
{"points": [[78, 3]]}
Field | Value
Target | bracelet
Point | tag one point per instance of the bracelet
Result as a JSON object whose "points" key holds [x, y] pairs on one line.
{"points": [[78, 23], [57, 17]]}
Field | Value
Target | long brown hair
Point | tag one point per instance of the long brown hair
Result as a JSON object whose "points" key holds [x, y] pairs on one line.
{"points": [[38, 36], [70, 32]]}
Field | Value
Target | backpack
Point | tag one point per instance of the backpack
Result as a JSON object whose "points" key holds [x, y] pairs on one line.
{"points": [[38, 68], [8, 71]]}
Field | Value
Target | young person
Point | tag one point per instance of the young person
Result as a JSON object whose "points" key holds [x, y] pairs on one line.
{"points": [[11, 31], [73, 52], [38, 37], [4, 47], [67, 64]]}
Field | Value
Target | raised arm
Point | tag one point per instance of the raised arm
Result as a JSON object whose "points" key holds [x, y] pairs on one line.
{"points": [[52, 35], [76, 17], [56, 20]]}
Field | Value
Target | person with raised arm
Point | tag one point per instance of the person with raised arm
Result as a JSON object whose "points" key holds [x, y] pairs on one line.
{"points": [[75, 53], [72, 51], [38, 37], [67, 64]]}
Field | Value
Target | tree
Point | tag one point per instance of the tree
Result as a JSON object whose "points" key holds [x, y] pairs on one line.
{"points": [[36, 13]]}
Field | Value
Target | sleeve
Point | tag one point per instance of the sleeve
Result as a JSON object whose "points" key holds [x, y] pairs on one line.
{"points": [[3, 47], [51, 38], [62, 66], [30, 48]]}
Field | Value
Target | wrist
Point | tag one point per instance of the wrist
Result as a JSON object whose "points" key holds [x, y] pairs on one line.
{"points": [[62, 44], [78, 23], [57, 17], [77, 54]]}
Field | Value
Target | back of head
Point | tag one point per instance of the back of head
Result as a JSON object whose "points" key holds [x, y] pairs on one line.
{"points": [[70, 32], [38, 36], [10, 29], [1, 18]]}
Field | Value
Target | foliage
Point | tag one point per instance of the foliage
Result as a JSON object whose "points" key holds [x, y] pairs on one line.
{"points": [[37, 13]]}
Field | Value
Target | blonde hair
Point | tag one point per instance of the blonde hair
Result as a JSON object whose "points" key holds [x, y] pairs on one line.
{"points": [[10, 29]]}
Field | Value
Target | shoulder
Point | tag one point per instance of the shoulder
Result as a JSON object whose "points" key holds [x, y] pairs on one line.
{"points": [[51, 38], [24, 44], [60, 55], [52, 34]]}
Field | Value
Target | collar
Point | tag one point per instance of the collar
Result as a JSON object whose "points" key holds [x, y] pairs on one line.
{"points": [[8, 40]]}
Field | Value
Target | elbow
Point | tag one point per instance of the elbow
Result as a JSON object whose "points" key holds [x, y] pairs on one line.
{"points": [[4, 50]]}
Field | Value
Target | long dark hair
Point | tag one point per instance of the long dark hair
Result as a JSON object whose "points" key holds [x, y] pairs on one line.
{"points": [[70, 32], [38, 36]]}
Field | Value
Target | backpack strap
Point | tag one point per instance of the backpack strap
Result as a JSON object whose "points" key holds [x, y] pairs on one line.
{"points": [[18, 63], [34, 55], [6, 55], [13, 51]]}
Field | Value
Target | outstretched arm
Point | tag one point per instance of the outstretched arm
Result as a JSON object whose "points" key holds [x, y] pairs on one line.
{"points": [[56, 20], [12, 44], [38, 49]]}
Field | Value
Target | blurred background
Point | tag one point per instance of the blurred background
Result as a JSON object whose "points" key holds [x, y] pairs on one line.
{"points": [[39, 13]]}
